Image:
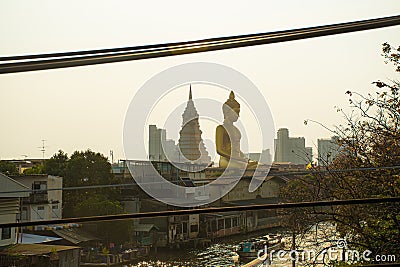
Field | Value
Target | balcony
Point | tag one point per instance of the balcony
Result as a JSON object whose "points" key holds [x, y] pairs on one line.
{"points": [[37, 198]]}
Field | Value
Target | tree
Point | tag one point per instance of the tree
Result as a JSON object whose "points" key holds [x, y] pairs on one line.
{"points": [[88, 168], [8, 168], [36, 169], [369, 138], [115, 231], [57, 164], [83, 168]]}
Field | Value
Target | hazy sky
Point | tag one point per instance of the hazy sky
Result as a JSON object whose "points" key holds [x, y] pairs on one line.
{"points": [[84, 107]]}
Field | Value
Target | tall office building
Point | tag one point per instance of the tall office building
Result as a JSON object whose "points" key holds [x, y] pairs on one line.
{"points": [[264, 157], [156, 139], [171, 150], [291, 149], [328, 149]]}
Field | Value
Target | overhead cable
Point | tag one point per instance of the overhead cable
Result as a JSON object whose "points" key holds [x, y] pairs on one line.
{"points": [[210, 210], [125, 185], [91, 57]]}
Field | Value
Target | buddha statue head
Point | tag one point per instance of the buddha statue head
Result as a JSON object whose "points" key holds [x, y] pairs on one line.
{"points": [[231, 109]]}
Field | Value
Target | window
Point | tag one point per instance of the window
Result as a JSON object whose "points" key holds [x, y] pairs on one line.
{"points": [[40, 208], [213, 225], [185, 227], [179, 229], [228, 223], [54, 207], [221, 224], [235, 222], [6, 233], [194, 228], [39, 185], [24, 214]]}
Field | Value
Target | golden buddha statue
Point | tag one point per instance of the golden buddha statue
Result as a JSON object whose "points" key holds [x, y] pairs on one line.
{"points": [[227, 138]]}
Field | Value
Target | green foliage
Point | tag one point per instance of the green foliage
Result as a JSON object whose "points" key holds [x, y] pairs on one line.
{"points": [[116, 231], [87, 168], [83, 168], [36, 169], [8, 168], [98, 205], [57, 164], [369, 138]]}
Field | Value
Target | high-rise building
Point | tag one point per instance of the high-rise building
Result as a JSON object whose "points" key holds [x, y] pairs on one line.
{"points": [[170, 150], [191, 145], [264, 157], [291, 149], [328, 149], [156, 139]]}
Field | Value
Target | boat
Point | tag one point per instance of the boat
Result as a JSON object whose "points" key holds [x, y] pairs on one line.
{"points": [[250, 248]]}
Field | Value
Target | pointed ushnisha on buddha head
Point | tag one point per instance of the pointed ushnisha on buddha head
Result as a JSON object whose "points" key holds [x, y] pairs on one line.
{"points": [[231, 109]]}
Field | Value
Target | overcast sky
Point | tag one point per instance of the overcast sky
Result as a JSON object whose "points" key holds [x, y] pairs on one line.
{"points": [[84, 107]]}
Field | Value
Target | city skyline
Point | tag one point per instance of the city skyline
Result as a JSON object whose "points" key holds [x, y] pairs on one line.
{"points": [[84, 107], [287, 149]]}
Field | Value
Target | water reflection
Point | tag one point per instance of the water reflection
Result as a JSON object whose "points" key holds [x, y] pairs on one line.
{"points": [[223, 253], [215, 255]]}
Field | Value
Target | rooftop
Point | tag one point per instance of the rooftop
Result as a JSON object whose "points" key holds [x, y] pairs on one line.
{"points": [[35, 249]]}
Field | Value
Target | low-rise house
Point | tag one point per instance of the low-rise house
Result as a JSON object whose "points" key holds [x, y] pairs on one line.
{"points": [[11, 193], [220, 225], [40, 255], [28, 250], [182, 228], [44, 202], [146, 234]]}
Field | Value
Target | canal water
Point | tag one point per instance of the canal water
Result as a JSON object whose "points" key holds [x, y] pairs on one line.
{"points": [[218, 254], [223, 252]]}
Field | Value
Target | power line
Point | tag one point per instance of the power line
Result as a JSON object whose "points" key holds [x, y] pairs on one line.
{"points": [[92, 57], [274, 174], [207, 211], [172, 45]]}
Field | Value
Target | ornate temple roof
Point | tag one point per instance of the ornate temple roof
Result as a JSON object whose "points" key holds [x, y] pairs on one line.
{"points": [[190, 143]]}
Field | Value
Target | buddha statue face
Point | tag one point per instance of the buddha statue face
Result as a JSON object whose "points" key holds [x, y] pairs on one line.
{"points": [[231, 109]]}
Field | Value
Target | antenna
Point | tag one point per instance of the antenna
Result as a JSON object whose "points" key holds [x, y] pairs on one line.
{"points": [[43, 148], [112, 156]]}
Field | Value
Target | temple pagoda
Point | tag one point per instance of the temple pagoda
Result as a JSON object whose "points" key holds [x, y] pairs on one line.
{"points": [[190, 143]]}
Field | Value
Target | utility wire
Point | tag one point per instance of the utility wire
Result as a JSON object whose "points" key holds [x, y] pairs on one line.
{"points": [[273, 174], [84, 58], [173, 45], [211, 210]]}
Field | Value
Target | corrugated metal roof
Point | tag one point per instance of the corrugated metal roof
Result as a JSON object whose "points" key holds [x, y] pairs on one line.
{"points": [[145, 227], [75, 235], [35, 249], [8, 184], [35, 239]]}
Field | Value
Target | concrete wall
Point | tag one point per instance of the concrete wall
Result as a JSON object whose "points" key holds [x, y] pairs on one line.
{"points": [[55, 182], [9, 208], [69, 258], [269, 189]]}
